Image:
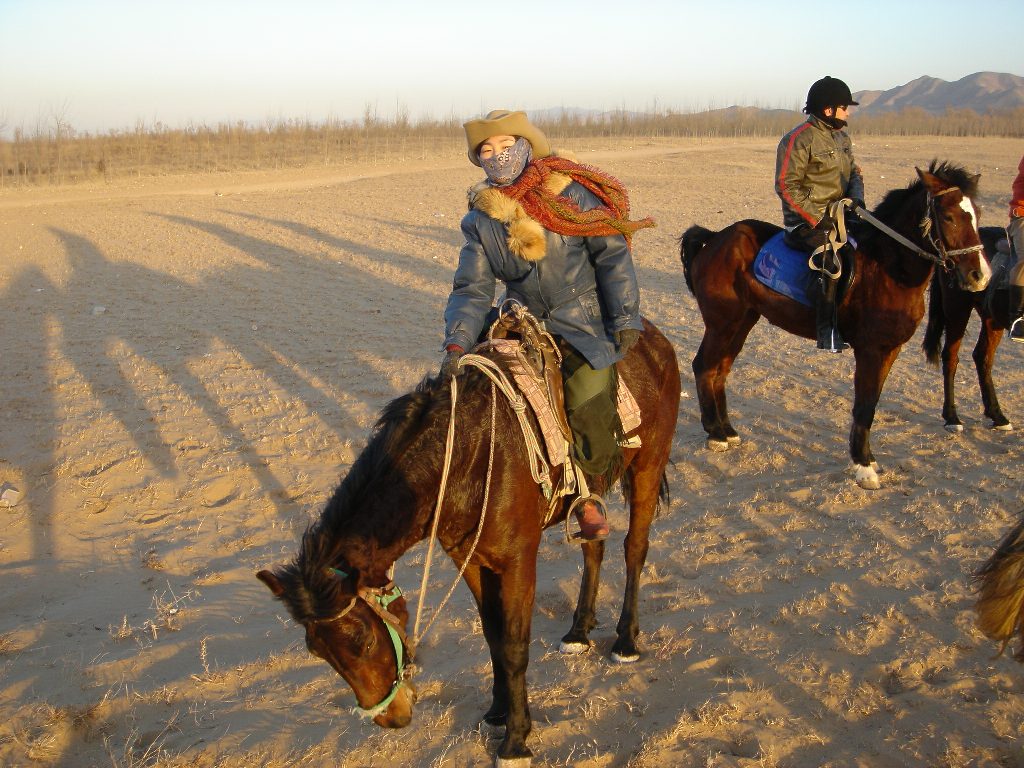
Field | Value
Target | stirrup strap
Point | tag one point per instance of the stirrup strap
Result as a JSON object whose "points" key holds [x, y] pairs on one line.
{"points": [[837, 238]]}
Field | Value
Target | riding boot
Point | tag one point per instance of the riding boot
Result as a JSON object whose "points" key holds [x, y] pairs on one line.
{"points": [[1017, 313], [590, 512], [825, 316]]}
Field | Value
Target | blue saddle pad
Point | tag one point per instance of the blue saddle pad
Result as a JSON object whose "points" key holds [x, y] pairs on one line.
{"points": [[783, 269]]}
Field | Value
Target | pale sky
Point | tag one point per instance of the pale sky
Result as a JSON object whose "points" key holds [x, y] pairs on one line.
{"points": [[108, 64]]}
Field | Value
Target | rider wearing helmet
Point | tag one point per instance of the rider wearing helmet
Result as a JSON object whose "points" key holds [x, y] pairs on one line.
{"points": [[814, 167]]}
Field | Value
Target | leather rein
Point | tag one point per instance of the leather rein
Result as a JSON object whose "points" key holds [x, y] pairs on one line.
{"points": [[944, 257]]}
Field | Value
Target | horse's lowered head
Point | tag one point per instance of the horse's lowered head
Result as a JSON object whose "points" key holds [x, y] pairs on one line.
{"points": [[359, 630], [950, 223]]}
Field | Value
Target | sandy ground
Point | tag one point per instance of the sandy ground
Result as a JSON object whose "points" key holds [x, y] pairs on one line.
{"points": [[189, 365]]}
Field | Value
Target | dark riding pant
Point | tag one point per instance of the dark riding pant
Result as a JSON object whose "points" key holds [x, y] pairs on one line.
{"points": [[809, 239], [590, 405]]}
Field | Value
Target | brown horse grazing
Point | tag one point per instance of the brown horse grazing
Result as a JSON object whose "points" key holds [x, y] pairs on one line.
{"points": [[877, 315], [1000, 605], [949, 310], [338, 589]]}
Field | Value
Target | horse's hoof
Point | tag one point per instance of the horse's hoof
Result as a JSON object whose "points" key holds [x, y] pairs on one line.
{"points": [[573, 648], [1007, 427], [867, 478], [956, 429], [717, 445], [512, 762], [734, 439], [625, 658]]}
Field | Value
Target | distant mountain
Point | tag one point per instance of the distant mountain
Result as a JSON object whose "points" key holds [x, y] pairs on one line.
{"points": [[982, 92]]}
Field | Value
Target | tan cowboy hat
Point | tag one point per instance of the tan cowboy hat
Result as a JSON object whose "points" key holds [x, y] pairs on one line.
{"points": [[501, 122]]}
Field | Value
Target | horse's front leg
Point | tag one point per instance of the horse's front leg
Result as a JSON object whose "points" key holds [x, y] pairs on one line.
{"points": [[577, 639], [872, 368], [984, 356], [956, 326], [517, 593], [484, 585]]}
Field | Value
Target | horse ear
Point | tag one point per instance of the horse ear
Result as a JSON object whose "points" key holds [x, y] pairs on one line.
{"points": [[932, 183], [268, 578]]}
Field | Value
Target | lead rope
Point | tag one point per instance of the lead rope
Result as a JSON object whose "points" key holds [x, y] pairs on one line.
{"points": [[535, 455], [449, 444]]}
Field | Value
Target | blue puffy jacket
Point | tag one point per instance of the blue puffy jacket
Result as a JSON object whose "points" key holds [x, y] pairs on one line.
{"points": [[583, 288]]}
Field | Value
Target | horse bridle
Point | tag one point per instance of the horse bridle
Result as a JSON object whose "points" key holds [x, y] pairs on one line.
{"points": [[378, 599], [944, 257], [939, 243]]}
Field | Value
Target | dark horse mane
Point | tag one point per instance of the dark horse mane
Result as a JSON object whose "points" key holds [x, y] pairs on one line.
{"points": [[895, 200], [311, 588]]}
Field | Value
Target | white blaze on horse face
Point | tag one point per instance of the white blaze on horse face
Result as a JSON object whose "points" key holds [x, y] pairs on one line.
{"points": [[968, 206]]}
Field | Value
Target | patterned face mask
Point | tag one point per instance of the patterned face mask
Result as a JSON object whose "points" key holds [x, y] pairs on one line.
{"points": [[505, 167]]}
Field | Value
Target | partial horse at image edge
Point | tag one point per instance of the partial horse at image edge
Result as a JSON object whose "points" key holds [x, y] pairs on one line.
{"points": [[1000, 603], [949, 312]]}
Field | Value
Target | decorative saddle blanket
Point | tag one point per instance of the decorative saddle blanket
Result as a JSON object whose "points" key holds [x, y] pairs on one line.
{"points": [[783, 269], [508, 354]]}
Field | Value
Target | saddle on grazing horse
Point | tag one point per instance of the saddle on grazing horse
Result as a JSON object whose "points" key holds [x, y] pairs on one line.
{"points": [[529, 355]]}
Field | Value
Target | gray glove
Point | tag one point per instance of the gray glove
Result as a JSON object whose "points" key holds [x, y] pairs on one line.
{"points": [[626, 338], [450, 366]]}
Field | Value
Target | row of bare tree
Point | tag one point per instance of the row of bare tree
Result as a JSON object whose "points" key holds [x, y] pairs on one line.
{"points": [[56, 154]]}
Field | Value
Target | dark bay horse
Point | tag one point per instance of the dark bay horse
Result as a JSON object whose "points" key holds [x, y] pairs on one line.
{"points": [[1000, 604], [338, 588], [877, 315], [949, 311]]}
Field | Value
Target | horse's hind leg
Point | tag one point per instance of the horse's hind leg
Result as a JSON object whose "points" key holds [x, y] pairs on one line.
{"points": [[577, 639], [707, 395], [984, 355], [644, 486], [711, 366]]}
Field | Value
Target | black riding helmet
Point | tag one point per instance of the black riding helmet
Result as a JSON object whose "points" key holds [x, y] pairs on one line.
{"points": [[828, 92]]}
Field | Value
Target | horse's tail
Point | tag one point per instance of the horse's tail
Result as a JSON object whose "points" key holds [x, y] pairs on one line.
{"points": [[936, 322], [664, 492], [1000, 605], [690, 244]]}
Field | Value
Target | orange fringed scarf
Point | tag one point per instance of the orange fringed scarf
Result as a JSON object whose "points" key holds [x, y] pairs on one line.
{"points": [[560, 214]]}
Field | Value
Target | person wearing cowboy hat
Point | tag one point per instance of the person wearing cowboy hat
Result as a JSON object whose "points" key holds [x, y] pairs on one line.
{"points": [[814, 167], [557, 234]]}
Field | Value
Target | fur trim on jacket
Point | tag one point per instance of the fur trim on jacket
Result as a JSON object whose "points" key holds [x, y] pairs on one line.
{"points": [[525, 234]]}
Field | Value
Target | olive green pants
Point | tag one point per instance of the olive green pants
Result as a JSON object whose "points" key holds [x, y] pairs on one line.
{"points": [[590, 405]]}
